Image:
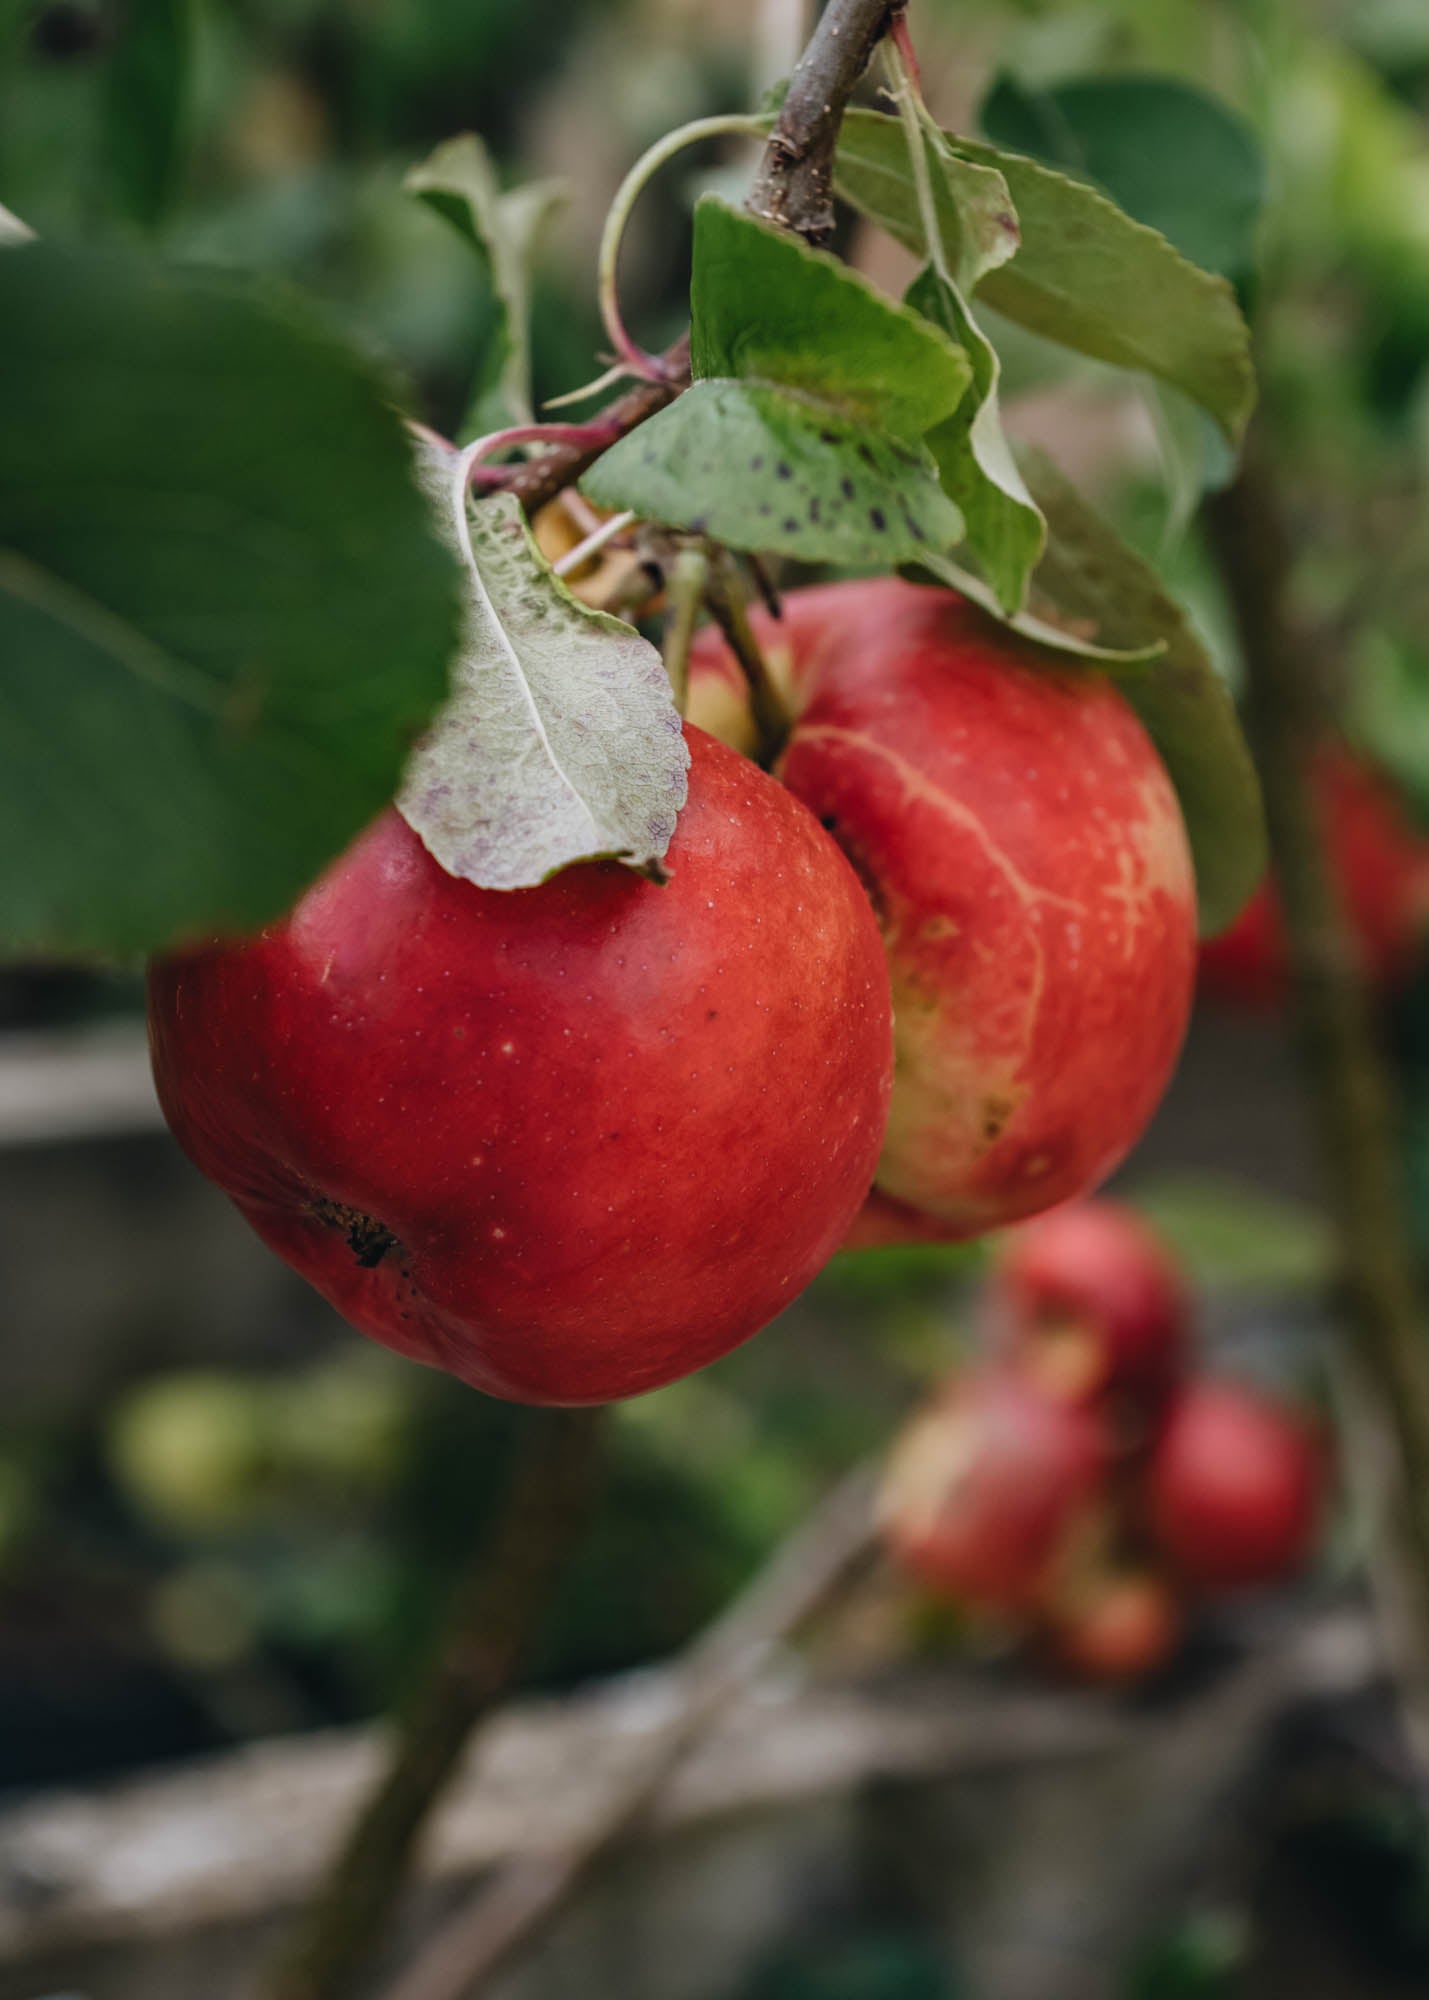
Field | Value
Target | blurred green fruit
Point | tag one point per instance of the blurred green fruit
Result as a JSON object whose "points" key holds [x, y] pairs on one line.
{"points": [[189, 1450], [342, 1423]]}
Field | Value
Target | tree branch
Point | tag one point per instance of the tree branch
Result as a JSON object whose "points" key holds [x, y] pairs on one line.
{"points": [[794, 189], [826, 1553], [541, 479], [1345, 1074], [489, 1630]]}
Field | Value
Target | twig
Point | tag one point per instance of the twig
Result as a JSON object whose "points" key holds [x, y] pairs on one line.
{"points": [[1345, 1074], [487, 1636], [541, 479], [795, 185], [724, 593], [794, 188], [823, 1556]]}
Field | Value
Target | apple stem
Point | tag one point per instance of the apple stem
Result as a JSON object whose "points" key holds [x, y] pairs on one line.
{"points": [[689, 575], [631, 358], [724, 593]]}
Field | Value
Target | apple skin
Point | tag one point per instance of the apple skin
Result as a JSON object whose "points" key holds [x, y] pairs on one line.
{"points": [[1124, 1628], [1234, 1488], [1022, 845], [1380, 863], [567, 1142], [1089, 1298], [987, 1491]]}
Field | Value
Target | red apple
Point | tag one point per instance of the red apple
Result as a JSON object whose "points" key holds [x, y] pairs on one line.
{"points": [[1021, 843], [1380, 861], [569, 1142], [1233, 1488], [988, 1490], [1124, 1627], [1090, 1298]]}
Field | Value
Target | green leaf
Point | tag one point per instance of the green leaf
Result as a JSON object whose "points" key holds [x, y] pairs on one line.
{"points": [[970, 229], [1086, 274], [1195, 458], [459, 182], [560, 741], [1088, 572], [1169, 154], [1004, 529], [1072, 642], [766, 308], [759, 467], [146, 96], [801, 434], [1233, 1235], [223, 612]]}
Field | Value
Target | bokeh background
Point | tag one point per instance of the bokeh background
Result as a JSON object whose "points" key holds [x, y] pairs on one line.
{"points": [[225, 1521]]}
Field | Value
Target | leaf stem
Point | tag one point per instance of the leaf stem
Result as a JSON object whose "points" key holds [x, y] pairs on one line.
{"points": [[594, 542], [900, 39], [469, 470], [912, 115], [633, 359]]}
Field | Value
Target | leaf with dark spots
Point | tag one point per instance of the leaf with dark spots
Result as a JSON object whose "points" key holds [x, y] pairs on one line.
{"points": [[703, 444], [810, 372]]}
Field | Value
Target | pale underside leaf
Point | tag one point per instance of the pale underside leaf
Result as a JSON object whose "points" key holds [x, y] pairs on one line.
{"points": [[560, 741]]}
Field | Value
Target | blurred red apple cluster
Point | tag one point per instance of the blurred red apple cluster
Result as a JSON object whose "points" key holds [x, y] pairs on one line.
{"points": [[1379, 862], [1082, 1482]]}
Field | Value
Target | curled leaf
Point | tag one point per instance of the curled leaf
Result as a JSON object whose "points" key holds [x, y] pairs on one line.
{"points": [[560, 741]]}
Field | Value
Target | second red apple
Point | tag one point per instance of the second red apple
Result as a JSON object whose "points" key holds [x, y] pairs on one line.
{"points": [[1022, 846]]}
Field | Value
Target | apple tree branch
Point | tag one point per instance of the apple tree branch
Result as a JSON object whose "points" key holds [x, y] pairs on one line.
{"points": [[793, 188], [1345, 1074], [488, 1634]]}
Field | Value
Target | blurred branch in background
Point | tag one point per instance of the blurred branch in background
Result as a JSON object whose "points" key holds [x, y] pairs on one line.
{"points": [[1346, 1076], [818, 1561], [490, 1630], [781, 31]]}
